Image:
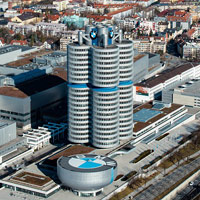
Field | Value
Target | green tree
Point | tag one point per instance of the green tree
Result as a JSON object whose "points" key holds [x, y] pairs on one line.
{"points": [[138, 32], [151, 33], [18, 36]]}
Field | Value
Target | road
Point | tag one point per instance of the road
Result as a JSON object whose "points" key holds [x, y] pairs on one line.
{"points": [[190, 192], [159, 186]]}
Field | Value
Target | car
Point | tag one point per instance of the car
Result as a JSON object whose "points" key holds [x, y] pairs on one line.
{"points": [[191, 183]]}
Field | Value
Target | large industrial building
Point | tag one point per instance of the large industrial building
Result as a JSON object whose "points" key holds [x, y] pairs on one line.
{"points": [[186, 93], [7, 132], [86, 174], [151, 88], [100, 98], [26, 102], [12, 53]]}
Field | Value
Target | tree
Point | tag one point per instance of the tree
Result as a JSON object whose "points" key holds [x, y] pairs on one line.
{"points": [[150, 33], [17, 36], [106, 11], [138, 32]]}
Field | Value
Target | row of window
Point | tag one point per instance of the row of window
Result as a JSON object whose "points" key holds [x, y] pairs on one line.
{"points": [[107, 129], [107, 68], [104, 78], [107, 138], [77, 65], [79, 79], [107, 53], [126, 92], [79, 138], [106, 123], [105, 63], [78, 124], [78, 55], [125, 52], [73, 49], [106, 114], [113, 73], [106, 143], [14, 113], [105, 119], [126, 130], [124, 62], [77, 95], [106, 58], [106, 83]]}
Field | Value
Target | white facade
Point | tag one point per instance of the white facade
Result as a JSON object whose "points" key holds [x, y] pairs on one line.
{"points": [[145, 93], [38, 138]]}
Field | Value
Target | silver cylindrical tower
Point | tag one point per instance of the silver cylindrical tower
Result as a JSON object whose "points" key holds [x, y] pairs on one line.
{"points": [[125, 60], [105, 115], [126, 91], [105, 66], [126, 109], [78, 113], [78, 63]]}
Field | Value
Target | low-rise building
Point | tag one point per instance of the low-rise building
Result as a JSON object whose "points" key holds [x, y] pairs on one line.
{"points": [[37, 138], [31, 183], [155, 118], [61, 4], [27, 18], [140, 67], [70, 37], [151, 88], [152, 44], [186, 93], [75, 21]]}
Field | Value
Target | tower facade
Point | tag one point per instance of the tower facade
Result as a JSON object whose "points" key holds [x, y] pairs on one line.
{"points": [[100, 99]]}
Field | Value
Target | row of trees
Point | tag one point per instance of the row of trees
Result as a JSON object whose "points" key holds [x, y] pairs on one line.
{"points": [[30, 37]]}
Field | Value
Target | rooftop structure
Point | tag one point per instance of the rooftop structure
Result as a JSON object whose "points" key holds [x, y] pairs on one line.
{"points": [[11, 53], [73, 150], [31, 183], [185, 93], [145, 115], [154, 118]]}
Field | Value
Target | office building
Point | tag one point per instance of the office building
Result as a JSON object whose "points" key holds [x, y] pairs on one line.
{"points": [[100, 98], [152, 88], [153, 119], [25, 102], [7, 132], [185, 93]]}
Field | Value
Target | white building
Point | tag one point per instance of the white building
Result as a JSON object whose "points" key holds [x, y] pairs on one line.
{"points": [[151, 88], [61, 4], [38, 138], [155, 118]]}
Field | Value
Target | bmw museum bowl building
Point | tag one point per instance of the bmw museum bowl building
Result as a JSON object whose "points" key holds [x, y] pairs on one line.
{"points": [[86, 175]]}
